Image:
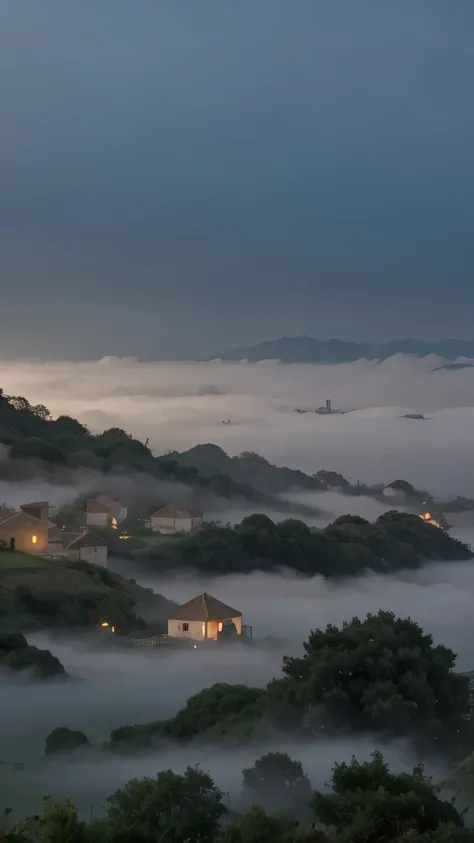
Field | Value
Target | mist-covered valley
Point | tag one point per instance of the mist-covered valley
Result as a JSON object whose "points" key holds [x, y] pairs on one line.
{"points": [[113, 686]]}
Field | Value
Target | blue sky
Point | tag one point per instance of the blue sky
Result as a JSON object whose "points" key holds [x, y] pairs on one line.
{"points": [[177, 178]]}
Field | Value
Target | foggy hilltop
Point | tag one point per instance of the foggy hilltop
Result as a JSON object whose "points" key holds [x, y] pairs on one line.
{"points": [[306, 349]]}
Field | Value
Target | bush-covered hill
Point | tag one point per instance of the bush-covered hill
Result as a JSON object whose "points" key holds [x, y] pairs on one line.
{"points": [[37, 442], [346, 547], [79, 595], [382, 674], [17, 655]]}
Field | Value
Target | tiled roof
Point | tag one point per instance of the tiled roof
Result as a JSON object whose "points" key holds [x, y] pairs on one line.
{"points": [[204, 608], [10, 515], [87, 540]]}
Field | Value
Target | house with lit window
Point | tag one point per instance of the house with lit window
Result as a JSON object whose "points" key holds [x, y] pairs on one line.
{"points": [[203, 617], [21, 531], [105, 511]]}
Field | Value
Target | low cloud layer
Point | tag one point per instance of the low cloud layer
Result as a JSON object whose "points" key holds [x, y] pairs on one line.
{"points": [[179, 405]]}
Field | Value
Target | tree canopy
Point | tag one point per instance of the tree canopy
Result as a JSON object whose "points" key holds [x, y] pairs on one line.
{"points": [[367, 803]]}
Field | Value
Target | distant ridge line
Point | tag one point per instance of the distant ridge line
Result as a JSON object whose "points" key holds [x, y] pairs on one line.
{"points": [[304, 349]]}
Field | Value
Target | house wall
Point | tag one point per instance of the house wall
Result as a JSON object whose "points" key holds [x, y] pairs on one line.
{"points": [[199, 630], [117, 510], [56, 549], [97, 519], [171, 525], [195, 631], [23, 530], [213, 628], [94, 555]]}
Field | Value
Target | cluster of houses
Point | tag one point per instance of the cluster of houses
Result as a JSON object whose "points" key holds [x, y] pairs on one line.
{"points": [[31, 530], [105, 511]]}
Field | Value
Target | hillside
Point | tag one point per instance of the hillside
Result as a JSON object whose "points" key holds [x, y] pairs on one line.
{"points": [[75, 594], [308, 350], [348, 547], [39, 444], [248, 469]]}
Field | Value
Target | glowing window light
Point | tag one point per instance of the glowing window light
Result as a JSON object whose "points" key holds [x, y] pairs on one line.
{"points": [[105, 623], [220, 626], [203, 628], [34, 539]]}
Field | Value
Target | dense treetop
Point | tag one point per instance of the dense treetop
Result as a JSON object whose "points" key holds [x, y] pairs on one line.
{"points": [[367, 803], [346, 547]]}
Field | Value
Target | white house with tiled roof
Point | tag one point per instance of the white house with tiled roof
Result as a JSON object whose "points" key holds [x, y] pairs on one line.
{"points": [[88, 548], [104, 511], [203, 617], [175, 518]]}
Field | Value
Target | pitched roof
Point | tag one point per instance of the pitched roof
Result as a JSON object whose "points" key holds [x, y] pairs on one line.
{"points": [[36, 504], [55, 534], [204, 608], [86, 540], [95, 506], [175, 510], [8, 516]]}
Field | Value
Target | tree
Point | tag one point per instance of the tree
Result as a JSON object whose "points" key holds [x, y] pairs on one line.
{"points": [[276, 782], [171, 807], [256, 826], [381, 673], [332, 479], [369, 804], [41, 411], [62, 739]]}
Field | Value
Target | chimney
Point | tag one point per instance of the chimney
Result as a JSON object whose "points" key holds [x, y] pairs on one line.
{"points": [[328, 405]]}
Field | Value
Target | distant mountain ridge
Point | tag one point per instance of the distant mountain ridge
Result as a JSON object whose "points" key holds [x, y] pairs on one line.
{"points": [[309, 350]]}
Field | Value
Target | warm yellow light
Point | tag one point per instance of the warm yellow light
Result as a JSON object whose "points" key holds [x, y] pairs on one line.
{"points": [[220, 626], [114, 524], [203, 630], [105, 623], [34, 539], [113, 629]]}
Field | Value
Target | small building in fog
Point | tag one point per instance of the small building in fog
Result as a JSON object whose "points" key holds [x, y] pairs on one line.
{"points": [[104, 511], [203, 617], [175, 518], [88, 547]]}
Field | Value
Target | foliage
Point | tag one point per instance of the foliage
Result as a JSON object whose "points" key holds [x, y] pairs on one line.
{"points": [[368, 804], [221, 710], [62, 739], [258, 826], [382, 673], [17, 655], [277, 782], [344, 548], [170, 807]]}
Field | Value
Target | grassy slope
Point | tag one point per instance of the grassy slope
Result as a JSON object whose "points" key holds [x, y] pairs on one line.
{"points": [[10, 561]]}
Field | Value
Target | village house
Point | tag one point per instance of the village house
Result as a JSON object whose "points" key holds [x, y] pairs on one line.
{"points": [[203, 617], [175, 518], [88, 548], [104, 511], [21, 531]]}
